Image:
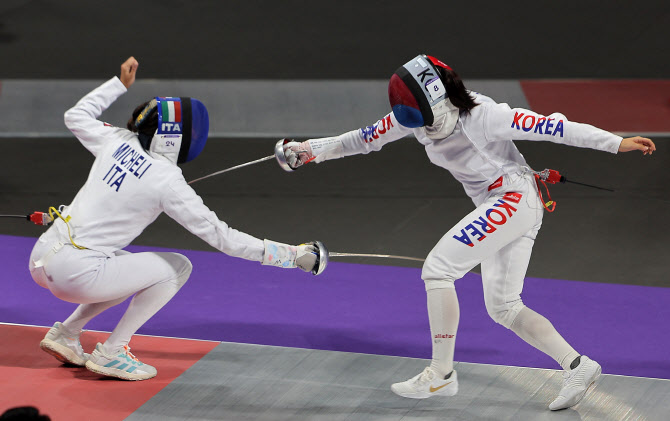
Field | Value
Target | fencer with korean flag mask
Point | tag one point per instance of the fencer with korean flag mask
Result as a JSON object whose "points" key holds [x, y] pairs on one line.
{"points": [[470, 135], [134, 178]]}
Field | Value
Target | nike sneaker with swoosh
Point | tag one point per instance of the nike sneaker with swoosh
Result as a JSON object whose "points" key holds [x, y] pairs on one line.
{"points": [[64, 345], [576, 383], [427, 384]]}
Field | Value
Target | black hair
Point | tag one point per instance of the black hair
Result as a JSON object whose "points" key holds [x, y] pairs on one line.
{"points": [[458, 95], [24, 413], [150, 124]]}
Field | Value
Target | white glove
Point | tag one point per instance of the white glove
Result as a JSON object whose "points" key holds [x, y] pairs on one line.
{"points": [[318, 150], [286, 256], [298, 154]]}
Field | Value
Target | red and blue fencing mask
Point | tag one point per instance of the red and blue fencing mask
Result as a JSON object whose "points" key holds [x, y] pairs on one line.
{"points": [[418, 96]]}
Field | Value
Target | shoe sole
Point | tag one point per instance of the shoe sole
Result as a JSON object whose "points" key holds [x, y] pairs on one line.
{"points": [[62, 353], [119, 374], [580, 396], [425, 395]]}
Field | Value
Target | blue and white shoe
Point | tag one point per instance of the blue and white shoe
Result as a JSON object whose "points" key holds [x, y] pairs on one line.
{"points": [[64, 346], [123, 365]]}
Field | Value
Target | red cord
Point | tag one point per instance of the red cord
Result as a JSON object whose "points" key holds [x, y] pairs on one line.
{"points": [[550, 205]]}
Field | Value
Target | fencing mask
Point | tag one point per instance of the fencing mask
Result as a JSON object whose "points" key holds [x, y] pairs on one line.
{"points": [[419, 99], [183, 126]]}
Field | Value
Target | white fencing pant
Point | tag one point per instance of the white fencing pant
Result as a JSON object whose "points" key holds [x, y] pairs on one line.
{"points": [[513, 211], [499, 234], [98, 282]]}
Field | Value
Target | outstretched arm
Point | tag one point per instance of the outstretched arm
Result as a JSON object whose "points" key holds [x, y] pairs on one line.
{"points": [[504, 123], [183, 204], [361, 141]]}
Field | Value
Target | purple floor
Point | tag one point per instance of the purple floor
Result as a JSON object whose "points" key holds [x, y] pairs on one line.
{"points": [[370, 309]]}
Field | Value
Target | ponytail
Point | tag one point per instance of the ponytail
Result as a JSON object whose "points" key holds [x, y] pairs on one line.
{"points": [[148, 126], [458, 95]]}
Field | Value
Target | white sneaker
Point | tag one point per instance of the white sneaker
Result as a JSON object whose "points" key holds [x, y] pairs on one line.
{"points": [[124, 365], [575, 383], [427, 384], [64, 346]]}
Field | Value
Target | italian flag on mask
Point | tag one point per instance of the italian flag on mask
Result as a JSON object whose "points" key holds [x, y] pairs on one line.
{"points": [[171, 110]]}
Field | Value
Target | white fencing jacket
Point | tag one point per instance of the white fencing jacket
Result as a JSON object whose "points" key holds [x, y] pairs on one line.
{"points": [[481, 148], [127, 188]]}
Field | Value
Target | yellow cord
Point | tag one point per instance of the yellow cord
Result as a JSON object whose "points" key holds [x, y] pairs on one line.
{"points": [[53, 210]]}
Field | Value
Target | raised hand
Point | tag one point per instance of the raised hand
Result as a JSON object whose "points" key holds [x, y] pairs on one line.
{"points": [[128, 71]]}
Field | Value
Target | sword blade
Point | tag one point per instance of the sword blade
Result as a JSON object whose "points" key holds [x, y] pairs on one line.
{"points": [[232, 168], [588, 185], [384, 256]]}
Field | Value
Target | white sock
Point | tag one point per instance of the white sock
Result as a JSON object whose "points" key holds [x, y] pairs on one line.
{"points": [[540, 333], [85, 312], [443, 314], [142, 307]]}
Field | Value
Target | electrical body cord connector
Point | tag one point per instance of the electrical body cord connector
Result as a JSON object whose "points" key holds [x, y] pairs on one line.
{"points": [[38, 218], [552, 177], [44, 218], [547, 176]]}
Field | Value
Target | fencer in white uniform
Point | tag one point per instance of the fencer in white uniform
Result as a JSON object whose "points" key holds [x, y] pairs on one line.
{"points": [[134, 178], [471, 136]]}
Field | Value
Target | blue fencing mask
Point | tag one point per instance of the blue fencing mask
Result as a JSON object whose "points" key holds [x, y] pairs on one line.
{"points": [[183, 127]]}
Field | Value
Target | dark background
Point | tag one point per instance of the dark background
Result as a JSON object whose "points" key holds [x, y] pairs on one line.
{"points": [[393, 201], [344, 39]]}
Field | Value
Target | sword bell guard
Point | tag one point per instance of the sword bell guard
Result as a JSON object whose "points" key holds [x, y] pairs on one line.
{"points": [[321, 257], [281, 158]]}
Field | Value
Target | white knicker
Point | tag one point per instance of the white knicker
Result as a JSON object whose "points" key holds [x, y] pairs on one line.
{"points": [[88, 276], [499, 234]]}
